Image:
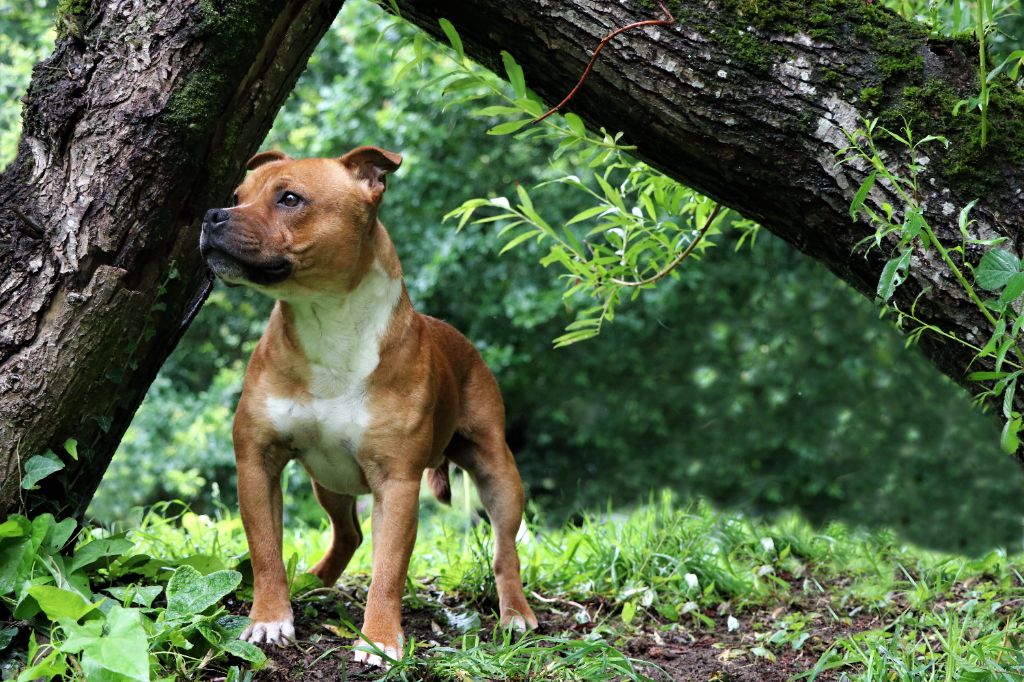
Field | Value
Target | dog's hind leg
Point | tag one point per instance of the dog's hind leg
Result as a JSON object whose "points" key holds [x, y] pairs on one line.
{"points": [[489, 462], [345, 533]]}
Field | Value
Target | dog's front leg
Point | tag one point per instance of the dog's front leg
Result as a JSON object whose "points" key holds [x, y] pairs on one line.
{"points": [[259, 499], [395, 513]]}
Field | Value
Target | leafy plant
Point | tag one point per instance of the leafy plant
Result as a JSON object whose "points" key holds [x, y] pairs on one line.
{"points": [[89, 608], [639, 226], [906, 229]]}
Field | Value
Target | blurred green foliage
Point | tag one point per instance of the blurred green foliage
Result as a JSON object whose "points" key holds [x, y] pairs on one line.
{"points": [[758, 380], [26, 37]]}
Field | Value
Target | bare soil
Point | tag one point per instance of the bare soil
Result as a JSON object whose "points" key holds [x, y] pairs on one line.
{"points": [[686, 651]]}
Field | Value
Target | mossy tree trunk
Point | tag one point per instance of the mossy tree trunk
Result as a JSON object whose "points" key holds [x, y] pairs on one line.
{"points": [[139, 121], [747, 101]]}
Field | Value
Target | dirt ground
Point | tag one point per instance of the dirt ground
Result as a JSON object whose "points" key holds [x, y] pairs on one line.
{"points": [[684, 651]]}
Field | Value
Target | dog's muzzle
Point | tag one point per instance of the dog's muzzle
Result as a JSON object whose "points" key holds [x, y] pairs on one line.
{"points": [[233, 264]]}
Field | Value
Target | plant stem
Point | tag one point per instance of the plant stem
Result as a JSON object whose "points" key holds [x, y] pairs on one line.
{"points": [[675, 261]]}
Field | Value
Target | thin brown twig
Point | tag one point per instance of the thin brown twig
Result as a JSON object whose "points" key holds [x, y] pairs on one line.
{"points": [[678, 259], [667, 21]]}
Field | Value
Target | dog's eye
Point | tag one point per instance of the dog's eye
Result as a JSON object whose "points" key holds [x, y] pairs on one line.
{"points": [[234, 199], [290, 199]]}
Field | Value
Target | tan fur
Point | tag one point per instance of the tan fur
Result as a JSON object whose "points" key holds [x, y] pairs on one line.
{"points": [[430, 397]]}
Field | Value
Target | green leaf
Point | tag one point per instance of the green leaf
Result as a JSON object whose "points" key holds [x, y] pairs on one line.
{"points": [[143, 596], [576, 124], [862, 195], [453, 37], [996, 268], [629, 611], [58, 534], [97, 550], [39, 467], [892, 276], [189, 592], [515, 74], [53, 665], [986, 376], [1014, 288], [1010, 440], [6, 635], [508, 127], [519, 239], [59, 604], [16, 526], [496, 110], [244, 650], [587, 214], [963, 220], [16, 555], [117, 652]]}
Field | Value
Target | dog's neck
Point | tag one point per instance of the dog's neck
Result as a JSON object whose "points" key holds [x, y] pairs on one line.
{"points": [[340, 335]]}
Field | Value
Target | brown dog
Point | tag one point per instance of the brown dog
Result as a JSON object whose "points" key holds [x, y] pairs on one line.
{"points": [[364, 391]]}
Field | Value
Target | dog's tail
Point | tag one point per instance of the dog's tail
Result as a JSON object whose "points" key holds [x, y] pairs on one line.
{"points": [[440, 483]]}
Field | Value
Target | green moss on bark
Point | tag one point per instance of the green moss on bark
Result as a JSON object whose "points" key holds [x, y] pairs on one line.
{"points": [[68, 17], [894, 83], [929, 107], [234, 31]]}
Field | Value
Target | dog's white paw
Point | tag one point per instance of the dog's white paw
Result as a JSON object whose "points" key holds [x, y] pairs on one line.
{"points": [[516, 622], [519, 622], [279, 632], [364, 654]]}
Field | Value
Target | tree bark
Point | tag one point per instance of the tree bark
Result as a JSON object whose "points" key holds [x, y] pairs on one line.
{"points": [[747, 102], [140, 120]]}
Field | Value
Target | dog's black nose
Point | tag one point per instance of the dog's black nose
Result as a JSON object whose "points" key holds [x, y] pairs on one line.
{"points": [[216, 218]]}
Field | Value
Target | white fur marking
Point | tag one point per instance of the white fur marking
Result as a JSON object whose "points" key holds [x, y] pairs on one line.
{"points": [[340, 339], [365, 655], [279, 632]]}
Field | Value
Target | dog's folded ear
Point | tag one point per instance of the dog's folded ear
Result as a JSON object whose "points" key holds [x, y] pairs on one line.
{"points": [[372, 165], [265, 157]]}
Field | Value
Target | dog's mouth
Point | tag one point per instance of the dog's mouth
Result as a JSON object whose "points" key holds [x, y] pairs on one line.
{"points": [[235, 270]]}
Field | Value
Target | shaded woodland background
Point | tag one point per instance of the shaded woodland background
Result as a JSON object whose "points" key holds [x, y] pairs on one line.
{"points": [[758, 381]]}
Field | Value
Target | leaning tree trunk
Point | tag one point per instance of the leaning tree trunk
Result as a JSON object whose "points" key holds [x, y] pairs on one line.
{"points": [[748, 101], [139, 121]]}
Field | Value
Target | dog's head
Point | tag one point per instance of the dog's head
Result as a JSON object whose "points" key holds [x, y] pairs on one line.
{"points": [[299, 225]]}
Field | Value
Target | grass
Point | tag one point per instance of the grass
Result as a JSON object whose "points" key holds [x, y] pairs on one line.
{"points": [[667, 591]]}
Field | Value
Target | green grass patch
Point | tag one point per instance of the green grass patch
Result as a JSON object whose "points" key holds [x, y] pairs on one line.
{"points": [[639, 595]]}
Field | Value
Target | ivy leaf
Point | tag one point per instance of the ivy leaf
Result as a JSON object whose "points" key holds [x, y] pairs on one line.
{"points": [[189, 592], [996, 268], [102, 548], [119, 653], [60, 604], [39, 467], [1014, 288]]}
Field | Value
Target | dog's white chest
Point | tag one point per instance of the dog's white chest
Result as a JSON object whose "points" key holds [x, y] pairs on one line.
{"points": [[326, 423], [326, 433]]}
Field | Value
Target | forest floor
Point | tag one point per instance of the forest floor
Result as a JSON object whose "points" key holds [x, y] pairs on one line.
{"points": [[656, 649], [664, 592], [670, 594]]}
